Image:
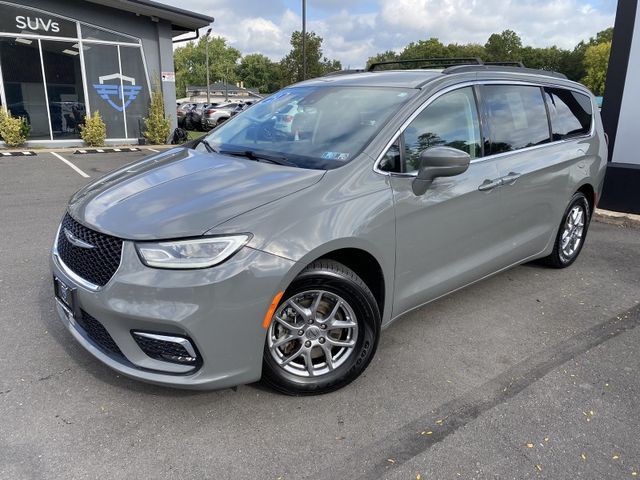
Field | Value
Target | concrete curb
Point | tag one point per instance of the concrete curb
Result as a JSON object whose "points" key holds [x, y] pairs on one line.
{"points": [[628, 220], [36, 151]]}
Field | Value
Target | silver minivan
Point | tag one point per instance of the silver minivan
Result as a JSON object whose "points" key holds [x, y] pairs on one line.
{"points": [[261, 253]]}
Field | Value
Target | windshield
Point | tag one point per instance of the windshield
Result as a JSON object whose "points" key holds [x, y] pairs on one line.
{"points": [[311, 127]]}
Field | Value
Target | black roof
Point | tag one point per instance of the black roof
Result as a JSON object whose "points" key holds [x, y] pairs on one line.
{"points": [[181, 20]]}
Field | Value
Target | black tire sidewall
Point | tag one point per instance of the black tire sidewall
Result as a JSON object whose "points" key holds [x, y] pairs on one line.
{"points": [[367, 316]]}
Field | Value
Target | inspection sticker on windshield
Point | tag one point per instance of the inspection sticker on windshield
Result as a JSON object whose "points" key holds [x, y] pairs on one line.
{"points": [[335, 156]]}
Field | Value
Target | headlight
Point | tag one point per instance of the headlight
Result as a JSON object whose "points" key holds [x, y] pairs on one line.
{"points": [[194, 253]]}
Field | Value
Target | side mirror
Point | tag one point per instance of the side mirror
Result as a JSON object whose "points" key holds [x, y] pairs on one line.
{"points": [[439, 162]]}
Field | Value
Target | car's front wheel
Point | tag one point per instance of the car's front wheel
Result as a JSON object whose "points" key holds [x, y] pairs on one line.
{"points": [[323, 333]]}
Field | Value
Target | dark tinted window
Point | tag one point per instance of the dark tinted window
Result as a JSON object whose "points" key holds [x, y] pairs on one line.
{"points": [[570, 112], [391, 160], [517, 117], [451, 120]]}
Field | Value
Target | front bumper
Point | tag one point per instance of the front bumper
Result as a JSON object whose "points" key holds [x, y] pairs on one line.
{"points": [[220, 309]]}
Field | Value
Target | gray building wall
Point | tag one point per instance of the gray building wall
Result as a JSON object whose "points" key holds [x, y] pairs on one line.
{"points": [[155, 36]]}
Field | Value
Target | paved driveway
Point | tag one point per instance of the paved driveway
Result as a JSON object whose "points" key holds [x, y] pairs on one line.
{"points": [[530, 374]]}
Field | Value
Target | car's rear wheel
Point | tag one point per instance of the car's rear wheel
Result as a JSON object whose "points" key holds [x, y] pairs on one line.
{"points": [[571, 234], [323, 333]]}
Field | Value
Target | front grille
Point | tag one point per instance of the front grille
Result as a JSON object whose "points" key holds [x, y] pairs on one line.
{"points": [[164, 350], [97, 333], [96, 265]]}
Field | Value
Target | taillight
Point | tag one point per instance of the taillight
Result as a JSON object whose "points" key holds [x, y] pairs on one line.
{"points": [[211, 110], [288, 118]]}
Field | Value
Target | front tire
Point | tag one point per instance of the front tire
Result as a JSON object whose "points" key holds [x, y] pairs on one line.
{"points": [[571, 234], [323, 333]]}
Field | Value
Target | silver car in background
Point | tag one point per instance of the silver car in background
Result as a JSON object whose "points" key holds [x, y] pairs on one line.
{"points": [[261, 252]]}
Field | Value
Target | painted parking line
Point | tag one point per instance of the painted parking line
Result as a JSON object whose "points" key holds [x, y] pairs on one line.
{"points": [[60, 157], [153, 150]]}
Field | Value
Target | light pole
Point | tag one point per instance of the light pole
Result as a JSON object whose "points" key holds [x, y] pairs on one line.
{"points": [[226, 84], [207, 54], [304, 39]]}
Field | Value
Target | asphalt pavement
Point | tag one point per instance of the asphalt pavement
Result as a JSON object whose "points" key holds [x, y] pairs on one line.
{"points": [[533, 373]]}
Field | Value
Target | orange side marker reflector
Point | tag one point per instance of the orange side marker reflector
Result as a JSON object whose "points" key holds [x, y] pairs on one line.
{"points": [[272, 308]]}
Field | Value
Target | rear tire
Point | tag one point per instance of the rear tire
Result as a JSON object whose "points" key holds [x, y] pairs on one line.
{"points": [[571, 233], [323, 333]]}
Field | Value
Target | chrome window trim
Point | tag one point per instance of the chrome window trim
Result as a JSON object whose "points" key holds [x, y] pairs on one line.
{"points": [[472, 83]]}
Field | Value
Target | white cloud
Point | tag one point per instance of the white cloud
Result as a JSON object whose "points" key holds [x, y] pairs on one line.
{"points": [[265, 27]]}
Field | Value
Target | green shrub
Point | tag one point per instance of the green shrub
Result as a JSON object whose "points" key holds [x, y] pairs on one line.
{"points": [[158, 126], [94, 131], [26, 127], [13, 130]]}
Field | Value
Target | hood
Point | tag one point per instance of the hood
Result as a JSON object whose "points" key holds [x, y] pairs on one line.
{"points": [[182, 193]]}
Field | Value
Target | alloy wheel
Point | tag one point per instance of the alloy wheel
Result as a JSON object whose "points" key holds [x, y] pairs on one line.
{"points": [[312, 333], [572, 233]]}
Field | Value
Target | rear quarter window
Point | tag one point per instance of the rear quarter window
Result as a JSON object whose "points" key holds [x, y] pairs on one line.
{"points": [[571, 113], [516, 116]]}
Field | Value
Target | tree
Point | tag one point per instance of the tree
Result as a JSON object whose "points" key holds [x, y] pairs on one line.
{"points": [[550, 58], [596, 63], [258, 71], [573, 66], [317, 63], [191, 66], [431, 48], [502, 47]]}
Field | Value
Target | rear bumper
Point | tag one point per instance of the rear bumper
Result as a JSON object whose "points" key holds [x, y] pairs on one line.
{"points": [[220, 309]]}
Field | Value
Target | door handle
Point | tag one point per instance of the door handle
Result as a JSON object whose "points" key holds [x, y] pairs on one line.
{"points": [[490, 185], [511, 178]]}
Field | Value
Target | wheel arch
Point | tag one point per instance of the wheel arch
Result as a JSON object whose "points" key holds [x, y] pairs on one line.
{"points": [[364, 261], [589, 192]]}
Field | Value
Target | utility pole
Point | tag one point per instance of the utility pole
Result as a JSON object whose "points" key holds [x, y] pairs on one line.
{"points": [[207, 54], [304, 39], [226, 84]]}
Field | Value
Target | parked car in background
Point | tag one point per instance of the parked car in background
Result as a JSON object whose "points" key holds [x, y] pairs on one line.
{"points": [[193, 118], [255, 252], [284, 117], [181, 112], [215, 114]]}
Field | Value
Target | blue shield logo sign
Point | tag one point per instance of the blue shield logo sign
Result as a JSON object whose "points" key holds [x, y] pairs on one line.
{"points": [[119, 95]]}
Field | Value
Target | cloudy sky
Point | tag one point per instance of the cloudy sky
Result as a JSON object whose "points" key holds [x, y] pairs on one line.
{"points": [[353, 30]]}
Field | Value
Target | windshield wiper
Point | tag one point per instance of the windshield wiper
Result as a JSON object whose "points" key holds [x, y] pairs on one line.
{"points": [[208, 146], [258, 157]]}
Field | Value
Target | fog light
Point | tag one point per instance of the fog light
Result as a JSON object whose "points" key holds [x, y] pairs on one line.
{"points": [[167, 348]]}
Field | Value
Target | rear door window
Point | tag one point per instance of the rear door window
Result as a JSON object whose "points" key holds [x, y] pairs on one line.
{"points": [[571, 113], [516, 116]]}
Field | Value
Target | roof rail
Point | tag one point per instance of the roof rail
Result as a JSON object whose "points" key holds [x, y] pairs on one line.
{"points": [[492, 67], [506, 64], [343, 72], [430, 62]]}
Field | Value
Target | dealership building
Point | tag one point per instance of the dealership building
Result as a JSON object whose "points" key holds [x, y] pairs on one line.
{"points": [[63, 59]]}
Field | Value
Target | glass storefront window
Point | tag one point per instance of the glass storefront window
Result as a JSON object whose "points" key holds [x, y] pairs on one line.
{"points": [[104, 85], [65, 93], [43, 78], [94, 33], [23, 85], [137, 95]]}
